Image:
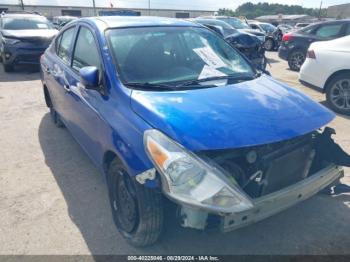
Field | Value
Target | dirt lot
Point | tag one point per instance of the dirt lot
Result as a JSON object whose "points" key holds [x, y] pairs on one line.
{"points": [[54, 201]]}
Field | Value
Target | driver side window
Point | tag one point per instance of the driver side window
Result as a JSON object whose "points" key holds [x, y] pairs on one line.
{"points": [[86, 51]]}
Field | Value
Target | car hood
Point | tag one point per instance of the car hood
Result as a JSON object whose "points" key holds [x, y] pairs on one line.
{"points": [[244, 39], [30, 34], [252, 31], [255, 112]]}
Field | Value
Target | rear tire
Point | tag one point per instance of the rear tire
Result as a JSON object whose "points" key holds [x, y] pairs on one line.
{"points": [[56, 118], [296, 59], [137, 211], [338, 93]]}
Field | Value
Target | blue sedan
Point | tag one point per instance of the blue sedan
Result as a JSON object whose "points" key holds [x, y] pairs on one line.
{"points": [[168, 110]]}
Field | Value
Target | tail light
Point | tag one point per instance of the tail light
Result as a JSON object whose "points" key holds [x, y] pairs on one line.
{"points": [[287, 37], [311, 54]]}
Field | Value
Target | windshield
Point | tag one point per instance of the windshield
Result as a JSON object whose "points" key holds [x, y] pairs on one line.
{"points": [[17, 23], [268, 27], [163, 55], [235, 23]]}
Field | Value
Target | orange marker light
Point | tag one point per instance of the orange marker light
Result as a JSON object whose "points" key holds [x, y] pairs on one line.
{"points": [[157, 154]]}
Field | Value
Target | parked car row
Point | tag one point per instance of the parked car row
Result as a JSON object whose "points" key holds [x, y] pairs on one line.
{"points": [[248, 44], [294, 45], [167, 108]]}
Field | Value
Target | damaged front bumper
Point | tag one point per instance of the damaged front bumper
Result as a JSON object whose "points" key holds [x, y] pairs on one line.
{"points": [[275, 202]]}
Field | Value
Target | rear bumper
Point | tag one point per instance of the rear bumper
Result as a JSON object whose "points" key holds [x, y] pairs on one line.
{"points": [[275, 202], [283, 52]]}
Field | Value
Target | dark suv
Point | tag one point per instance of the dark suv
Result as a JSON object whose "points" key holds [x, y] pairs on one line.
{"points": [[23, 38], [295, 44]]}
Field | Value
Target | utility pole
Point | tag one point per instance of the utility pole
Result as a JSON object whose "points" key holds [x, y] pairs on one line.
{"points": [[319, 12], [94, 7], [149, 7], [21, 4]]}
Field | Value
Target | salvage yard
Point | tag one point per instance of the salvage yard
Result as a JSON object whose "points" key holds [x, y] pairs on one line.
{"points": [[54, 201]]}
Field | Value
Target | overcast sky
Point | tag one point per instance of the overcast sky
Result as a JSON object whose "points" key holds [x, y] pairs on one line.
{"points": [[174, 4]]}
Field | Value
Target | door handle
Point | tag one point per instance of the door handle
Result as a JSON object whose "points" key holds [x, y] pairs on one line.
{"points": [[47, 70], [66, 88]]}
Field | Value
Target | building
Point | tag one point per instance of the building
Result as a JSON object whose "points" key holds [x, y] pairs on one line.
{"points": [[285, 19], [339, 11], [81, 11]]}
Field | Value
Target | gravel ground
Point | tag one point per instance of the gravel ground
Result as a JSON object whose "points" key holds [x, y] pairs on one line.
{"points": [[54, 201]]}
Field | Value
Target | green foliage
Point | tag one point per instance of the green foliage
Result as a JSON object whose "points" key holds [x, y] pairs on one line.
{"points": [[251, 10]]}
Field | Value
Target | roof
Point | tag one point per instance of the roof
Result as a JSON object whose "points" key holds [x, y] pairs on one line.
{"points": [[20, 15], [287, 17], [134, 21]]}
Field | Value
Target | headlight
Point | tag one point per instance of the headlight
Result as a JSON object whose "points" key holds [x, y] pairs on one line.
{"points": [[11, 41], [188, 179], [261, 38]]}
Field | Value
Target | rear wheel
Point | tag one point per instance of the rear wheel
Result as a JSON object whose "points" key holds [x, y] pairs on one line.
{"points": [[137, 211], [269, 45], [338, 93], [296, 60], [54, 115]]}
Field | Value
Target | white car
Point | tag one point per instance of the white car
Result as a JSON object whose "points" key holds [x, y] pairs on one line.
{"points": [[327, 66]]}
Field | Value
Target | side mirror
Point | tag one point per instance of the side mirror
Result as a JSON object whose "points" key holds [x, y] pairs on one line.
{"points": [[89, 77]]}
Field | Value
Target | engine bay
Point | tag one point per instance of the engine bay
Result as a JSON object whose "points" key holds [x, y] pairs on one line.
{"points": [[264, 169]]}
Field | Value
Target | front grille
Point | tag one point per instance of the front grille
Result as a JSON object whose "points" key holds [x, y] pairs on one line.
{"points": [[28, 58]]}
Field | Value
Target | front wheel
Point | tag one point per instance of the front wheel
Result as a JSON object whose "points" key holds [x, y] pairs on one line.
{"points": [[137, 211], [296, 60], [338, 93], [8, 67], [269, 45]]}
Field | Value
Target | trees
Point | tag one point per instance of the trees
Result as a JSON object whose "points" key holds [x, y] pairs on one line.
{"points": [[251, 10]]}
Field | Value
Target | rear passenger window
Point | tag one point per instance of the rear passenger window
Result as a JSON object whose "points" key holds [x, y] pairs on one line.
{"points": [[65, 41], [86, 52], [327, 31]]}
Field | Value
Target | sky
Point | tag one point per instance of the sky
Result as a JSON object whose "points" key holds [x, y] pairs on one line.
{"points": [[175, 4]]}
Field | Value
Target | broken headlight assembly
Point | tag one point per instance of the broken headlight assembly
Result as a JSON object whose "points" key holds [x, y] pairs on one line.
{"points": [[187, 179]]}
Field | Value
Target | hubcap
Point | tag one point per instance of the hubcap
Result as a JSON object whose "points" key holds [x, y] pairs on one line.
{"points": [[125, 205], [297, 60], [340, 94], [268, 45]]}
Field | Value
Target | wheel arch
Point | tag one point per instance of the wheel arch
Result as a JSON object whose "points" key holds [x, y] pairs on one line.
{"points": [[47, 96], [108, 157], [332, 76]]}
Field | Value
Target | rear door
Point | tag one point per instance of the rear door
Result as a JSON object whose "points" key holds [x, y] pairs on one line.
{"points": [[329, 31], [57, 70]]}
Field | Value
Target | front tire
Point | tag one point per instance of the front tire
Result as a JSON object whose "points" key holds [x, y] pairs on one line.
{"points": [[8, 67], [296, 59], [269, 45], [137, 211], [338, 93]]}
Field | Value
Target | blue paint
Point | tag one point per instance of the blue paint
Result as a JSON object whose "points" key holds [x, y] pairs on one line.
{"points": [[254, 112]]}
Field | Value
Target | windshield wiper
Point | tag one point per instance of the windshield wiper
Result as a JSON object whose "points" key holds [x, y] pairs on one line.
{"points": [[235, 79], [147, 85]]}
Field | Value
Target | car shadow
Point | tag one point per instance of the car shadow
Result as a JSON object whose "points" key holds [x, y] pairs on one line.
{"points": [[319, 225], [324, 103], [21, 73], [272, 61]]}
